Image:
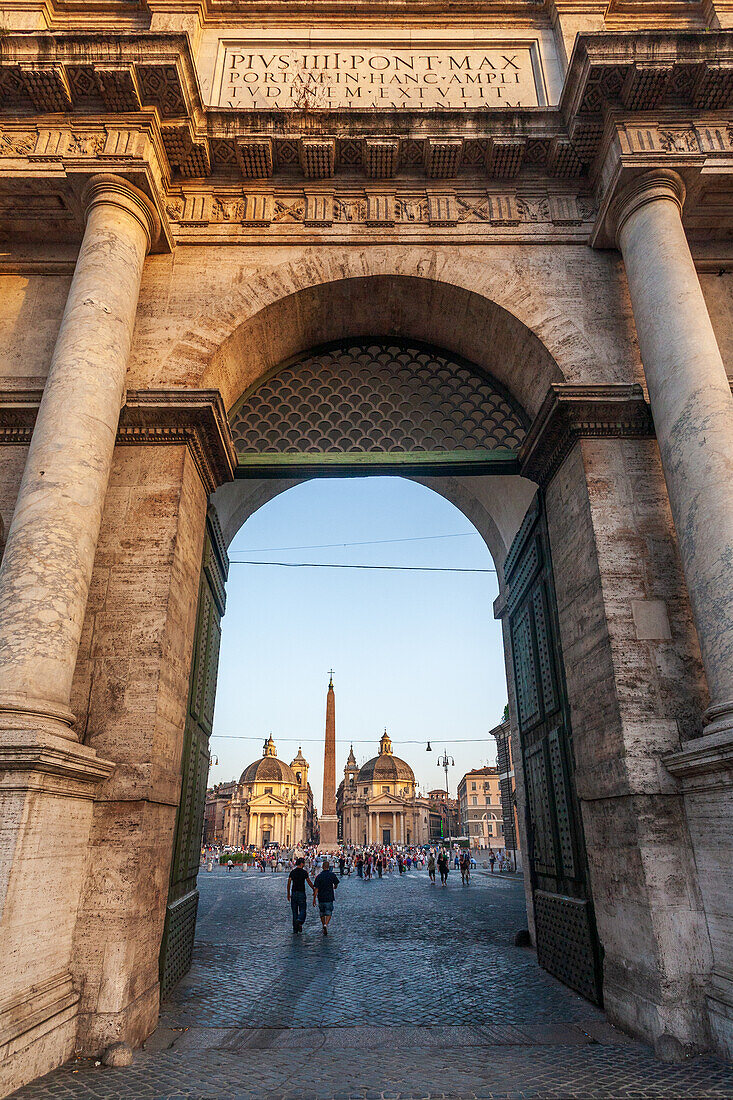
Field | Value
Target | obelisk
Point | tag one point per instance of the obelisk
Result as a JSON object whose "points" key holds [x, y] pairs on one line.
{"points": [[329, 820]]}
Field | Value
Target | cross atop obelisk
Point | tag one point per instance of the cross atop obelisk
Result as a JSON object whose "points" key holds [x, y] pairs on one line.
{"points": [[329, 820]]}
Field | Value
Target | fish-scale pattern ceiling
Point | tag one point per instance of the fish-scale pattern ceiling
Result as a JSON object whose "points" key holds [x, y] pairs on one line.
{"points": [[376, 398]]}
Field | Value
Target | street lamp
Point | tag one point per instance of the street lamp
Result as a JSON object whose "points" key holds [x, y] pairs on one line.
{"points": [[446, 762]]}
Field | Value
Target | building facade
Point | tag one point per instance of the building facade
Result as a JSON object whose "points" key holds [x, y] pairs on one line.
{"points": [[479, 802], [507, 791], [378, 802], [272, 803], [509, 275], [217, 798], [444, 816]]}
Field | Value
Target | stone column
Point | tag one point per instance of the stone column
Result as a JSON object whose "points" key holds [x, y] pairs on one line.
{"points": [[692, 407], [47, 566], [394, 827], [47, 779]]}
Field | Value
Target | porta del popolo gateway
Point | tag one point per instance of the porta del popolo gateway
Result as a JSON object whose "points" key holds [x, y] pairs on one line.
{"points": [[484, 245]]}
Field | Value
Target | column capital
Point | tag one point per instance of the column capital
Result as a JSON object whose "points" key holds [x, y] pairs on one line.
{"points": [[658, 184], [117, 191]]}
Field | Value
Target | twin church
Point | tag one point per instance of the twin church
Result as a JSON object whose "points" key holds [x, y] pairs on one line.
{"points": [[376, 803]]}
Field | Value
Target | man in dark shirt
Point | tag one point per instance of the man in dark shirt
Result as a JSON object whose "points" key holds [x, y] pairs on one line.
{"points": [[296, 893], [324, 887]]}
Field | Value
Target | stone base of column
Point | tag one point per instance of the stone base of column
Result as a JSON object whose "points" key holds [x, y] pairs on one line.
{"points": [[641, 1004], [719, 1000], [47, 783], [37, 1031], [704, 770], [131, 1025], [329, 832]]}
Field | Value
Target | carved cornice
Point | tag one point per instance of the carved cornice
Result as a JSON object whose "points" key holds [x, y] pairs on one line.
{"points": [[194, 418], [697, 149], [218, 214], [571, 412], [85, 76], [703, 764], [23, 766]]}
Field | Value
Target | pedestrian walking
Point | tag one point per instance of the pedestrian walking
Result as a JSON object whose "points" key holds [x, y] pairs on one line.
{"points": [[443, 868], [323, 888], [342, 865], [296, 894], [465, 869], [431, 868], [492, 859], [229, 865]]}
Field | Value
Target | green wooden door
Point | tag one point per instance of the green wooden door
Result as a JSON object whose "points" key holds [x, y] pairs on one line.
{"points": [[180, 920], [567, 942]]}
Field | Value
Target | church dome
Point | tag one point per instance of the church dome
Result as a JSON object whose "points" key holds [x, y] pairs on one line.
{"points": [[268, 769], [386, 768]]}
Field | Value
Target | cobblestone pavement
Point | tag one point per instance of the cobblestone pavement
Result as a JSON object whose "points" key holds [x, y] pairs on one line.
{"points": [[417, 993]]}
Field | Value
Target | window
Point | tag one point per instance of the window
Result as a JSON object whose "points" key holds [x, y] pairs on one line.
{"points": [[268, 790], [385, 790], [473, 786], [474, 800], [366, 790]]}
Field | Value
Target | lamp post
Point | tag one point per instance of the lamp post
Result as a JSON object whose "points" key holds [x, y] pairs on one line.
{"points": [[446, 762]]}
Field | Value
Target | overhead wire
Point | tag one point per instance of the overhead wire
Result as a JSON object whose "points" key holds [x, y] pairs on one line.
{"points": [[334, 545], [378, 568]]}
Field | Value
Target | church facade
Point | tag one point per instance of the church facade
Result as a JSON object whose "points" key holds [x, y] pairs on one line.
{"points": [[378, 803], [482, 245], [272, 803]]}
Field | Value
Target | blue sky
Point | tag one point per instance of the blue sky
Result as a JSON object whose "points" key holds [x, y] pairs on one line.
{"points": [[419, 653]]}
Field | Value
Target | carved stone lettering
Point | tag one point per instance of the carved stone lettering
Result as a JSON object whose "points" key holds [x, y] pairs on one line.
{"points": [[313, 79]]}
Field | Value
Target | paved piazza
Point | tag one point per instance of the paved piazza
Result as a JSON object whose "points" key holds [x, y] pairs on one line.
{"points": [[418, 992]]}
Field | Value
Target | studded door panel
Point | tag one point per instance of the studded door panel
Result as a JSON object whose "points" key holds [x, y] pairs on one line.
{"points": [[567, 942], [180, 922]]}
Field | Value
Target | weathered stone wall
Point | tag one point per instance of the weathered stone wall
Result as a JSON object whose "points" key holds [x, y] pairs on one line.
{"points": [[130, 696], [635, 686], [718, 292], [223, 317], [31, 307], [12, 461]]}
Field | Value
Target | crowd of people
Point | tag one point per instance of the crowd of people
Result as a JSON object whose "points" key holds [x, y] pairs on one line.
{"points": [[366, 863]]}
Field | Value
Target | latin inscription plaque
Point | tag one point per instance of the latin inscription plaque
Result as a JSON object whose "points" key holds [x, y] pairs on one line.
{"points": [[256, 78]]}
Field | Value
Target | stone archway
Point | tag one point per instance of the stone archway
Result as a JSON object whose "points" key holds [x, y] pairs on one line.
{"points": [[133, 662], [417, 408]]}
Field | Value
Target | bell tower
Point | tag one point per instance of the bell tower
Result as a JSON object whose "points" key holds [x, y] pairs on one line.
{"points": [[300, 767], [350, 771]]}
